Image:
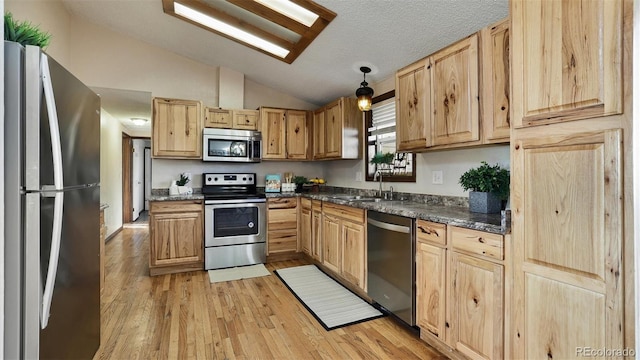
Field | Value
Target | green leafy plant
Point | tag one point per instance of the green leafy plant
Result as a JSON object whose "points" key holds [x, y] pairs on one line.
{"points": [[24, 32], [184, 180], [486, 178], [299, 180], [380, 158]]}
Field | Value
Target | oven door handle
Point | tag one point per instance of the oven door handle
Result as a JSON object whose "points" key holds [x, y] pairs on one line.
{"points": [[236, 201]]}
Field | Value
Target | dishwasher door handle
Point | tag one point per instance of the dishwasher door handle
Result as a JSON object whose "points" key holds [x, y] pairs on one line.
{"points": [[390, 227]]}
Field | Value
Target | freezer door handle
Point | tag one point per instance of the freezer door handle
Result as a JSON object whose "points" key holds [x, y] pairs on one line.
{"points": [[56, 236], [54, 129]]}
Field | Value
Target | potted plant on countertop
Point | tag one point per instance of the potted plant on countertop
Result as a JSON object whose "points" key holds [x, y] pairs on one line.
{"points": [[24, 32], [299, 181], [488, 186], [182, 184]]}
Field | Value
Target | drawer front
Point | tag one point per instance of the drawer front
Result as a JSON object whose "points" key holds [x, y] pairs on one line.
{"points": [[175, 206], [316, 204], [306, 203], [431, 232], [284, 240], [282, 203], [477, 242], [346, 212]]}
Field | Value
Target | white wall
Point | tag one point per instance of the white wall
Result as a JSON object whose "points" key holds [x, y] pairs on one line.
{"points": [[111, 170], [165, 171]]}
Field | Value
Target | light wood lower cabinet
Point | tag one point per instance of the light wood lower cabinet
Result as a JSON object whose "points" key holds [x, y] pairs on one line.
{"points": [[316, 230], [176, 236], [460, 290], [305, 232], [282, 226], [344, 242]]}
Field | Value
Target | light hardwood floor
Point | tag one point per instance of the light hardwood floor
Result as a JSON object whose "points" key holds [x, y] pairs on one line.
{"points": [[183, 316]]}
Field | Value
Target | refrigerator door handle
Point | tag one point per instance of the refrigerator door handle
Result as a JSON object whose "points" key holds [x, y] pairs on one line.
{"points": [[54, 129], [53, 258]]}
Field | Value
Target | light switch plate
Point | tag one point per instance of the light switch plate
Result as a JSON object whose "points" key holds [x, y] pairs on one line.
{"points": [[436, 177]]}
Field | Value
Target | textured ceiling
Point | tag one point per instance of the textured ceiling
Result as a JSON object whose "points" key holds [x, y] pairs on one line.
{"points": [[383, 34]]}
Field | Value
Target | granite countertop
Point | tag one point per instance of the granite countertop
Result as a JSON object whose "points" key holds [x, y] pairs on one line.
{"points": [[447, 214]]}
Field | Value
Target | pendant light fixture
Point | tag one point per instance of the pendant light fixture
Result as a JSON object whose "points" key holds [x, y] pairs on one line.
{"points": [[364, 92]]}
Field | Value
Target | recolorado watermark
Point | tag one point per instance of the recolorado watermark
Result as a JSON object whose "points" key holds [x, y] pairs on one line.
{"points": [[604, 352]]}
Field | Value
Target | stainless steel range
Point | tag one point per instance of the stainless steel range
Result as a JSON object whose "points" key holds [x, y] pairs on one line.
{"points": [[235, 221]]}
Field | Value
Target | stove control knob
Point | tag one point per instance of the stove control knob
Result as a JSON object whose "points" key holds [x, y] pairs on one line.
{"points": [[250, 225], [250, 178], [244, 179], [215, 179], [209, 179]]}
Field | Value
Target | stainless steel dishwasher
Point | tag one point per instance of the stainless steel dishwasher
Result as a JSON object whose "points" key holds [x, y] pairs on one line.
{"points": [[391, 265]]}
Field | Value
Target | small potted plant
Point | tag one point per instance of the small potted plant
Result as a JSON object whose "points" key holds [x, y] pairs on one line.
{"points": [[383, 158], [182, 184], [488, 186], [24, 32], [299, 181]]}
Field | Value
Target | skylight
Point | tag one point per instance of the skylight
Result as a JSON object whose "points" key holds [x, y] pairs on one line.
{"points": [[279, 28]]}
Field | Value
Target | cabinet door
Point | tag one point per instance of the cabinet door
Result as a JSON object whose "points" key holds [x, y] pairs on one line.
{"points": [[567, 244], [245, 119], [413, 106], [333, 129], [430, 289], [218, 118], [305, 230], [331, 256], [282, 231], [273, 128], [454, 85], [297, 135], [354, 254], [316, 237], [177, 128], [566, 60], [319, 134], [496, 122], [176, 238], [476, 307]]}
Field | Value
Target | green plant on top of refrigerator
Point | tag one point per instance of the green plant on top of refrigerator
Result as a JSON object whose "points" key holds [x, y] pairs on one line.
{"points": [[24, 32]]}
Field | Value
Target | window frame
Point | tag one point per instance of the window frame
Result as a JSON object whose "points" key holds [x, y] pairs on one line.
{"points": [[368, 118]]}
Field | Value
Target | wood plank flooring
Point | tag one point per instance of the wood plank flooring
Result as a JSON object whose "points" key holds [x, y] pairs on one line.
{"points": [[183, 316]]}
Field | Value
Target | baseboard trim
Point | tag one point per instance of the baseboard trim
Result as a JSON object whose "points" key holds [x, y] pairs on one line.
{"points": [[113, 234]]}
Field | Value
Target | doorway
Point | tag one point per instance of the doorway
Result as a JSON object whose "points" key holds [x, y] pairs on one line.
{"points": [[136, 177]]}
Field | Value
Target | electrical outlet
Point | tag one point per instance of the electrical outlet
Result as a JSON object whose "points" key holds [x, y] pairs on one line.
{"points": [[359, 176], [436, 177]]}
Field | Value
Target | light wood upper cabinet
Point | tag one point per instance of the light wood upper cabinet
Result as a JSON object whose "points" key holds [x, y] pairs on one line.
{"points": [[454, 76], [176, 236], [413, 106], [218, 118], [285, 134], [338, 128], [567, 60], [495, 84], [274, 132], [297, 135], [567, 244], [319, 134], [246, 119], [176, 129]]}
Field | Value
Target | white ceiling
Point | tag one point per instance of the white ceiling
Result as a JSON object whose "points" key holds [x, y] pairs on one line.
{"points": [[126, 105], [385, 35]]}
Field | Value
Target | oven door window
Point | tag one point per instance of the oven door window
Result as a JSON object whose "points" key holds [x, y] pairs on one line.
{"points": [[227, 148], [238, 221]]}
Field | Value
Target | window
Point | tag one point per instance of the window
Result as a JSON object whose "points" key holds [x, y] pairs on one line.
{"points": [[381, 139]]}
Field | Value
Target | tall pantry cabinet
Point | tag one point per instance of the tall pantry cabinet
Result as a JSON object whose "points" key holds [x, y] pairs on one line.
{"points": [[572, 272]]}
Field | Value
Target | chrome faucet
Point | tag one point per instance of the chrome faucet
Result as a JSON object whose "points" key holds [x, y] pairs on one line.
{"points": [[377, 174], [390, 193]]}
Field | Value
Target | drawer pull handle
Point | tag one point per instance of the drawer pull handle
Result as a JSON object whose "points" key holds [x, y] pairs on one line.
{"points": [[428, 231], [481, 240]]}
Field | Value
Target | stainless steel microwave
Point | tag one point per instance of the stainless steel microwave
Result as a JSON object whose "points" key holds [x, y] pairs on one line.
{"points": [[231, 145]]}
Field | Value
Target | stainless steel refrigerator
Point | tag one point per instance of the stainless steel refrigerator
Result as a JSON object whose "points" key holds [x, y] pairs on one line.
{"points": [[52, 204]]}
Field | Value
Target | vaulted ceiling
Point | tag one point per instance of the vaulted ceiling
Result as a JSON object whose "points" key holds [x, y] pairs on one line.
{"points": [[382, 34]]}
